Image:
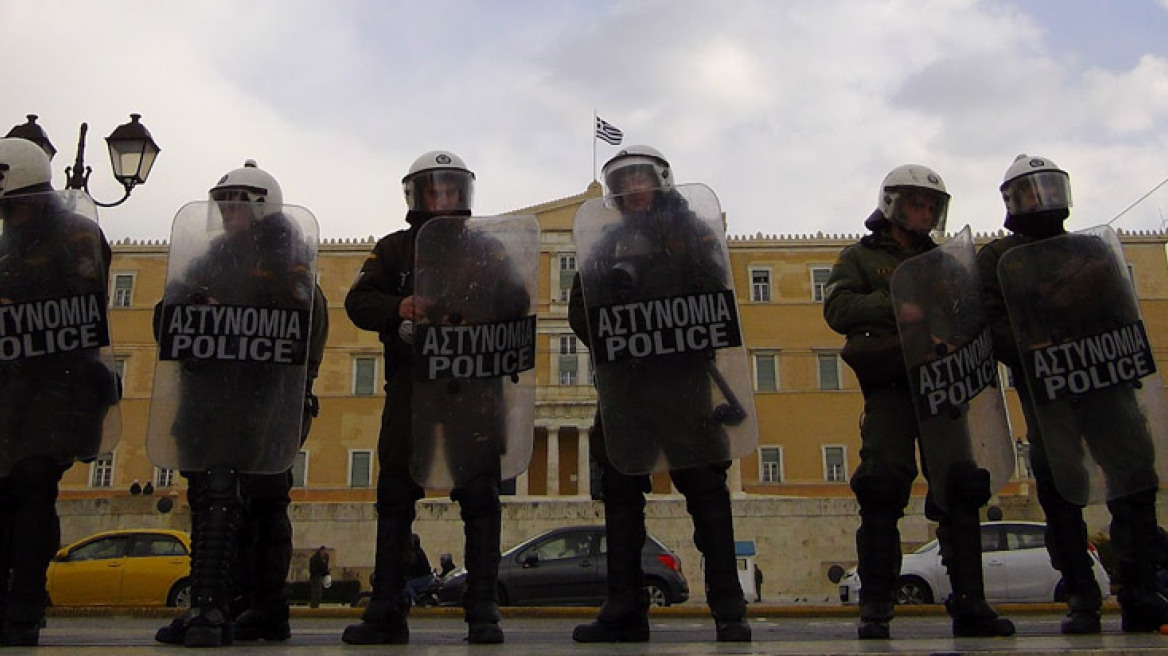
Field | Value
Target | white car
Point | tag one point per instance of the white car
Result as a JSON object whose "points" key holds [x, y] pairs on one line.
{"points": [[1014, 561]]}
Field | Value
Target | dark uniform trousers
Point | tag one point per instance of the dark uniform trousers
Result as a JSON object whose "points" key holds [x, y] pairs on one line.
{"points": [[883, 483], [28, 498], [1133, 516], [707, 499], [397, 494]]}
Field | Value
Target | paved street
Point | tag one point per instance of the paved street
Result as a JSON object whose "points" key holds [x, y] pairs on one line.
{"points": [[548, 633]]}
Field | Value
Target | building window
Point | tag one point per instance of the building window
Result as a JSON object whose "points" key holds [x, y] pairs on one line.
{"points": [[760, 285], [300, 470], [364, 376], [569, 361], [770, 464], [766, 372], [163, 477], [360, 468], [835, 463], [101, 471], [123, 290], [1006, 374], [567, 272], [819, 276], [829, 371], [120, 368]]}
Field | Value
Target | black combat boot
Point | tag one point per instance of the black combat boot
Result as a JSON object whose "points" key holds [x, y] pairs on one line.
{"points": [[1084, 602], [1133, 536], [878, 555], [621, 619], [32, 535], [263, 623], [266, 558], [708, 501], [22, 624], [175, 632], [482, 520], [209, 622], [384, 621], [875, 617], [624, 617], [960, 536]]}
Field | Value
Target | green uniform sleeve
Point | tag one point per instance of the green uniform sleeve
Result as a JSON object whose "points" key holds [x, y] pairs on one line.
{"points": [[371, 302], [850, 301]]}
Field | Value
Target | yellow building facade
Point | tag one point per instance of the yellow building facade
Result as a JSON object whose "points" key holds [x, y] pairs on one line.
{"points": [[808, 401]]}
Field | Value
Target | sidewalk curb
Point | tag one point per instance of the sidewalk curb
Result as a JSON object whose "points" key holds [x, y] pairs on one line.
{"points": [[684, 610]]}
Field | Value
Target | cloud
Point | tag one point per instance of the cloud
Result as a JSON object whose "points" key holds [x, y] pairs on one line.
{"points": [[792, 112]]}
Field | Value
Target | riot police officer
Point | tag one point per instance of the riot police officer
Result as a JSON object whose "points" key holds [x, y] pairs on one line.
{"points": [[241, 532], [383, 300], [1037, 196], [912, 201], [54, 404], [675, 253]]}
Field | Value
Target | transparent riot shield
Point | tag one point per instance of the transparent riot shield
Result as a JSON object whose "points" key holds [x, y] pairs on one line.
{"points": [[58, 385], [952, 371], [232, 329], [475, 285], [664, 336], [1087, 364]]}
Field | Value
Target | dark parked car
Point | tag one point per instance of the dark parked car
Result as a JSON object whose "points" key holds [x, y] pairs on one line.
{"points": [[567, 567]]}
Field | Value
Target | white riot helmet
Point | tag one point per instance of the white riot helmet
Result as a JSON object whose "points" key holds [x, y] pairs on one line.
{"points": [[636, 158], [915, 184], [24, 167], [438, 167], [250, 184], [1035, 184]]}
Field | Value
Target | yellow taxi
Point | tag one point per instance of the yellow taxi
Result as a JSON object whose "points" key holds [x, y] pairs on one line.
{"points": [[137, 567]]}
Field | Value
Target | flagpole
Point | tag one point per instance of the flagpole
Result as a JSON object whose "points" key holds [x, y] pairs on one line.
{"points": [[594, 144]]}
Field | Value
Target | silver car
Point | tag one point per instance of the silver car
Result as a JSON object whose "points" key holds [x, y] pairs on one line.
{"points": [[1014, 561], [568, 567]]}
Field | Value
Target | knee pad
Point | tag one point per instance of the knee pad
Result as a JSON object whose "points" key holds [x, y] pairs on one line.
{"points": [[968, 486], [700, 482], [267, 490], [396, 492], [480, 496], [879, 493], [623, 490], [36, 478]]}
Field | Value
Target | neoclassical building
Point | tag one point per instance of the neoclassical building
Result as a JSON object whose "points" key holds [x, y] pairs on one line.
{"points": [[808, 402]]}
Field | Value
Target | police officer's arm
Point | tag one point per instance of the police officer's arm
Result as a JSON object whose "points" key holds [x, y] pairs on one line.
{"points": [[511, 297], [577, 318], [710, 262], [994, 305], [318, 335], [372, 303], [849, 301]]}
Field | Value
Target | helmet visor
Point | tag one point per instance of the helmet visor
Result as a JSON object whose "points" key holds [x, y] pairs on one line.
{"points": [[441, 191], [231, 196], [1037, 192], [632, 179], [920, 209]]}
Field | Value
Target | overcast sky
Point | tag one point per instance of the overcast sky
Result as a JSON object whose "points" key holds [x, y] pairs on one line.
{"points": [[792, 111]]}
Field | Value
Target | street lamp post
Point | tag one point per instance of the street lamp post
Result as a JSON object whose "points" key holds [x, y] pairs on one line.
{"points": [[132, 153]]}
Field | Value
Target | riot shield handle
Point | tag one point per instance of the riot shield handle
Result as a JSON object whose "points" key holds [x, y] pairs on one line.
{"points": [[730, 413]]}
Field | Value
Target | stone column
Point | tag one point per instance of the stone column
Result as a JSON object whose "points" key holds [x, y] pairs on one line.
{"points": [[583, 463], [553, 461]]}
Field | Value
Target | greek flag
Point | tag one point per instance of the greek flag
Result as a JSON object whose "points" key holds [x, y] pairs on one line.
{"points": [[608, 132]]}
